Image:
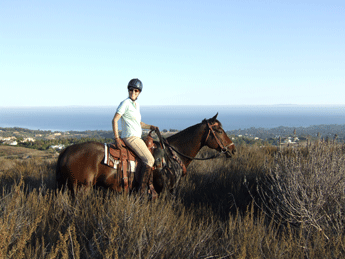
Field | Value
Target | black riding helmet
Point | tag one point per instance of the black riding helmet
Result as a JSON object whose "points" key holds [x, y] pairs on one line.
{"points": [[135, 83]]}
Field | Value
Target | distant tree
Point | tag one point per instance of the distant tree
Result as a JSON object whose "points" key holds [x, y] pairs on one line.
{"points": [[20, 139]]}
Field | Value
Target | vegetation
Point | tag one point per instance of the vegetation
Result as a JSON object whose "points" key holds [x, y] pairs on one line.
{"points": [[252, 136], [315, 132], [262, 203]]}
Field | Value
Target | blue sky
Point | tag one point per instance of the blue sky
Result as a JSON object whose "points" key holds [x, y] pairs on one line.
{"points": [[61, 53]]}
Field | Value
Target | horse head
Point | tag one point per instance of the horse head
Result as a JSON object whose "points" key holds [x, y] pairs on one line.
{"points": [[216, 138]]}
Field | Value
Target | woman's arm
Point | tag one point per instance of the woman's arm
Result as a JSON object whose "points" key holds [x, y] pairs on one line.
{"points": [[147, 126], [115, 125], [144, 125]]}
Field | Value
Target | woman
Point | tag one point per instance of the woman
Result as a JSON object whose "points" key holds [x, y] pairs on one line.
{"points": [[129, 113]]}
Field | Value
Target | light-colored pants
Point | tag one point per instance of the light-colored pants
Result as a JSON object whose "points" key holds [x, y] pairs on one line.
{"points": [[140, 149]]}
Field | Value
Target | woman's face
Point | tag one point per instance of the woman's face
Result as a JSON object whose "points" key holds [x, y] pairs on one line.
{"points": [[133, 93]]}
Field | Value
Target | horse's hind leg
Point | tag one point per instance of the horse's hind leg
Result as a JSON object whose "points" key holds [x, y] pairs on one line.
{"points": [[108, 177]]}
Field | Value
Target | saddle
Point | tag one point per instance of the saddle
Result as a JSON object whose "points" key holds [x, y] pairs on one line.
{"points": [[126, 162]]}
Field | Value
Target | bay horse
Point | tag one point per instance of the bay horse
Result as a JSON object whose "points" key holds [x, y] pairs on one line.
{"points": [[82, 164]]}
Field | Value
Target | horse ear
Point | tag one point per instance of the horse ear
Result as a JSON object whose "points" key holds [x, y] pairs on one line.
{"points": [[214, 118]]}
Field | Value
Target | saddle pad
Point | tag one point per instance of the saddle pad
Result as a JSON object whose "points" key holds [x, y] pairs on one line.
{"points": [[112, 158]]}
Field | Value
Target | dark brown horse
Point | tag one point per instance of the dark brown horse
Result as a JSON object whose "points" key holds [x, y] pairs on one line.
{"points": [[82, 164]]}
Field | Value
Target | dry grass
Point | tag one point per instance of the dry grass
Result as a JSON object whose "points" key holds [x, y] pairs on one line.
{"points": [[9, 156], [212, 216], [13, 152]]}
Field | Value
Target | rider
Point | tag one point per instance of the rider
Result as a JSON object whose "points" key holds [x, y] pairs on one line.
{"points": [[129, 112]]}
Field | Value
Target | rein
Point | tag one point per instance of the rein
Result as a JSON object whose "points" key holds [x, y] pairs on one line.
{"points": [[170, 169], [193, 158], [224, 149]]}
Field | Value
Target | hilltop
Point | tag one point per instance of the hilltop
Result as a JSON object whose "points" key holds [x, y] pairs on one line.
{"points": [[322, 131], [43, 139]]}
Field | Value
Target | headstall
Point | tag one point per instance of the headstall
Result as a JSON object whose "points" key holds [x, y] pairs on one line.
{"points": [[223, 148]]}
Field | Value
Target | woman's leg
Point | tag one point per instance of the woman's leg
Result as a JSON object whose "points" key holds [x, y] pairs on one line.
{"points": [[140, 149], [146, 175]]}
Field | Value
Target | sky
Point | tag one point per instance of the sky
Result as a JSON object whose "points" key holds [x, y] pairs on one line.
{"points": [[219, 52]]}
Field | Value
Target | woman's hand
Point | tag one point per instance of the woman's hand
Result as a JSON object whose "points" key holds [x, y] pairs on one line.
{"points": [[119, 143], [154, 128]]}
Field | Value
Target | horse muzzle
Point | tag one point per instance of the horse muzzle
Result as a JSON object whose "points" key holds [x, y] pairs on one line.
{"points": [[228, 153], [229, 150]]}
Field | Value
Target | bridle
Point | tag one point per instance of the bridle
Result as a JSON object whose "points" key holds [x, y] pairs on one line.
{"points": [[210, 127], [220, 144]]}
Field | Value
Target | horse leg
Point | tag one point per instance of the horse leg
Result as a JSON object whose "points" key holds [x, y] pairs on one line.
{"points": [[151, 186], [158, 181], [138, 177]]}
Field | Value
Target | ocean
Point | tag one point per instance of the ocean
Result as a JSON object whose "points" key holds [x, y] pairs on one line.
{"points": [[80, 118]]}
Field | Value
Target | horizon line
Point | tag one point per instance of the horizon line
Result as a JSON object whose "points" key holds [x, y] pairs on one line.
{"points": [[167, 105]]}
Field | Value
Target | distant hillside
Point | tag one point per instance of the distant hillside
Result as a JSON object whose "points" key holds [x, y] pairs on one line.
{"points": [[316, 131], [48, 134], [313, 132]]}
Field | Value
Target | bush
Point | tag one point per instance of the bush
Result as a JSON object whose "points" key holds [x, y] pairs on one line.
{"points": [[300, 214], [306, 187]]}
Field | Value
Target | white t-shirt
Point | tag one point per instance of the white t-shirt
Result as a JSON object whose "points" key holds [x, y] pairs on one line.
{"points": [[130, 118]]}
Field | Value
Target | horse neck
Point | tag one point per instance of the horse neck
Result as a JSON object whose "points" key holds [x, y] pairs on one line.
{"points": [[188, 142]]}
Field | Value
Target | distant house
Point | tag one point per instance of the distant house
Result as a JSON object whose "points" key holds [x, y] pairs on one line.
{"points": [[57, 147], [289, 140], [9, 141], [28, 140], [9, 138]]}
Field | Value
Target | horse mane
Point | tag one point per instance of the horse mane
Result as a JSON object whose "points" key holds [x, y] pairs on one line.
{"points": [[184, 132], [193, 128]]}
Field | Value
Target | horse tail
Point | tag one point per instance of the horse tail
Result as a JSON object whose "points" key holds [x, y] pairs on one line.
{"points": [[59, 177]]}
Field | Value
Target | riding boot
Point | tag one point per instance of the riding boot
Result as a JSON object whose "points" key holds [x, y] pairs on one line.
{"points": [[147, 180], [144, 178]]}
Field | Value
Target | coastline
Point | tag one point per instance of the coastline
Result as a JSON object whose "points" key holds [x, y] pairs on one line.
{"points": [[81, 118]]}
